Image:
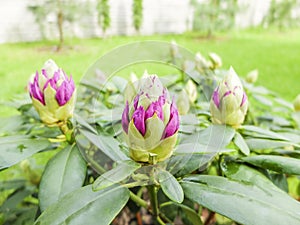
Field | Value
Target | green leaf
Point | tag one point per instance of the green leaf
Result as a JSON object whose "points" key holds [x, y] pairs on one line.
{"points": [[84, 124], [242, 202], [24, 216], [108, 145], [64, 173], [10, 124], [196, 148], [11, 184], [260, 144], [263, 100], [211, 140], [241, 144], [17, 148], [189, 213], [170, 186], [280, 181], [15, 199], [115, 175], [263, 133], [84, 206], [279, 164], [180, 165]]}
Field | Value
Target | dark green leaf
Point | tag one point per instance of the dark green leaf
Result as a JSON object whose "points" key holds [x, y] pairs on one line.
{"points": [[180, 165], [263, 132], [170, 186], [189, 213], [64, 173], [213, 139], [26, 217], [280, 181], [84, 124], [241, 144], [108, 145], [14, 199], [16, 148], [11, 184], [259, 144], [242, 202], [10, 124], [84, 206], [279, 164], [123, 170], [196, 148]]}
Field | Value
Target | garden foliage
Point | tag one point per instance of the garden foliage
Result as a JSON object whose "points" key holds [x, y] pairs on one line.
{"points": [[235, 152]]}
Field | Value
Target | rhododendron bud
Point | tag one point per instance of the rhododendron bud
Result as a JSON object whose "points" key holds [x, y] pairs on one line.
{"points": [[174, 49], [201, 62], [297, 103], [229, 102], [150, 122], [183, 103], [252, 76], [215, 59], [53, 94], [191, 90]]}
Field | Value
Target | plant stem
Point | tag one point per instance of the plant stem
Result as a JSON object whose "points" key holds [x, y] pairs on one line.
{"points": [[160, 221], [153, 200], [138, 200], [99, 169]]}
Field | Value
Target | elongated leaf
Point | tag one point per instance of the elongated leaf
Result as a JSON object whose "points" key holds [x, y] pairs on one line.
{"points": [[241, 144], [264, 133], [115, 175], [180, 165], [195, 148], [16, 148], [242, 202], [215, 136], [263, 100], [14, 199], [84, 206], [246, 174], [11, 184], [189, 214], [211, 140], [10, 124], [279, 164], [259, 144], [170, 186], [108, 145], [64, 173], [83, 123]]}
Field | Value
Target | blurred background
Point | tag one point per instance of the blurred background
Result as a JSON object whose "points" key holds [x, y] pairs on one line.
{"points": [[247, 34]]}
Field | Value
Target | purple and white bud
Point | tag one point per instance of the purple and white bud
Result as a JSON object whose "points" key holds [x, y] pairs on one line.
{"points": [[229, 102], [53, 94], [150, 122]]}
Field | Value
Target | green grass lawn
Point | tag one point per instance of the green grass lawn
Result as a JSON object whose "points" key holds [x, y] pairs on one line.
{"points": [[276, 55]]}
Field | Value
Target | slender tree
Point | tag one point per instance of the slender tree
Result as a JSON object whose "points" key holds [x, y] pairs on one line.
{"points": [[103, 14], [60, 21], [137, 14]]}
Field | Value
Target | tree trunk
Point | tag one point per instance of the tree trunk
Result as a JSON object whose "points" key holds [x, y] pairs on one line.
{"points": [[60, 20]]}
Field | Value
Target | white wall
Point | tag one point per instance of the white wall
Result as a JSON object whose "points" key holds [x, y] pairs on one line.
{"points": [[251, 12], [16, 23], [159, 16]]}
